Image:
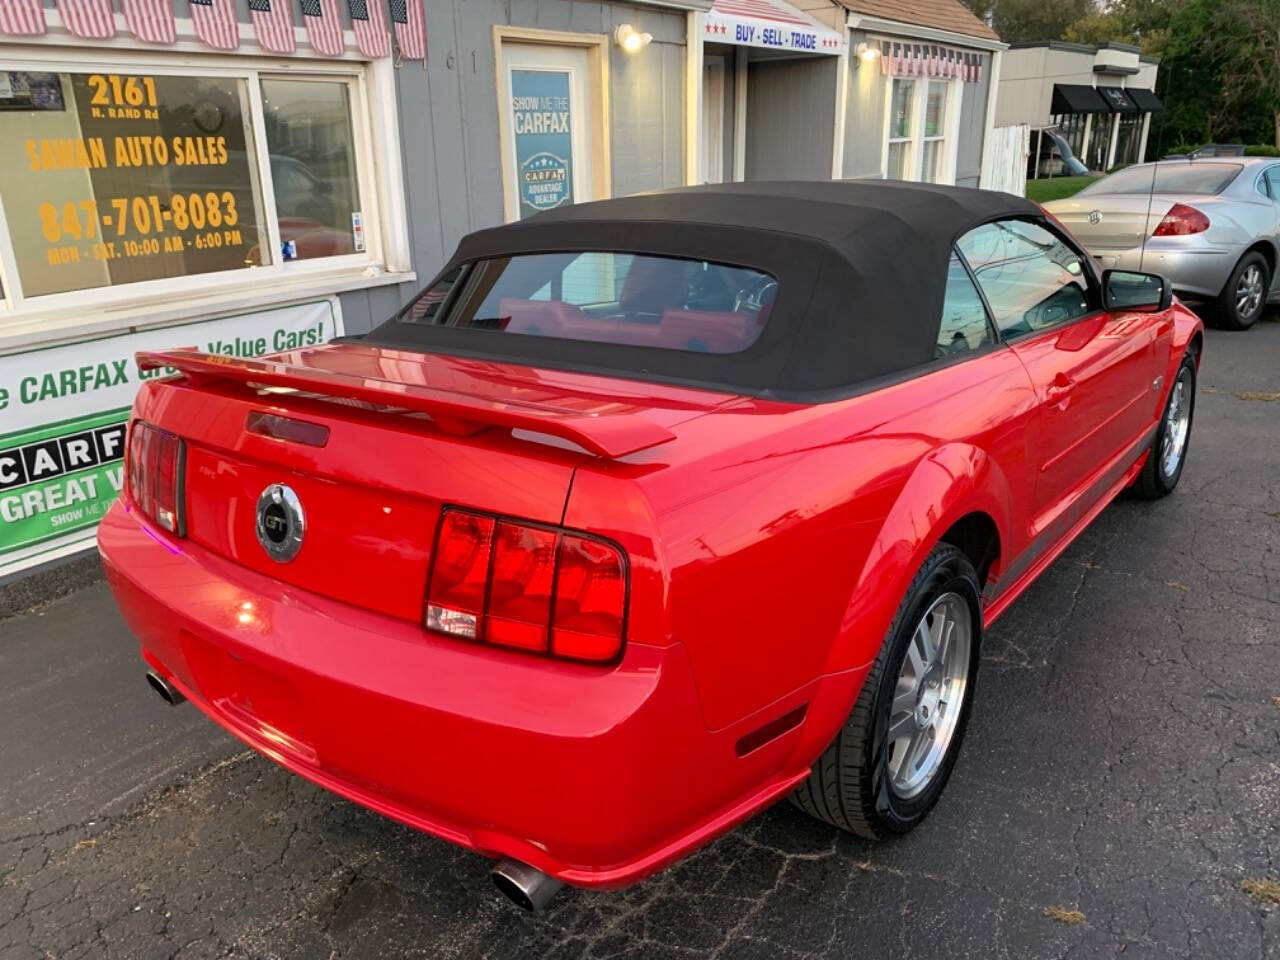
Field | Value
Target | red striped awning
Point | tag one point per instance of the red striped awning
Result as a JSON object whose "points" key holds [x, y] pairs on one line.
{"points": [[901, 59]]}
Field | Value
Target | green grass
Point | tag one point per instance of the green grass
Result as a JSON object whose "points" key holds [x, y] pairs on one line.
{"points": [[1055, 188]]}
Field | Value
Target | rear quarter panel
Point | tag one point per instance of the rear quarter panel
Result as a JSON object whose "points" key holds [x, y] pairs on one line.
{"points": [[784, 536]]}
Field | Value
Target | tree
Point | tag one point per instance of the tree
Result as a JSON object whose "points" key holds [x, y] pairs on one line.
{"points": [[1018, 21], [1118, 24], [1220, 77], [1248, 32]]}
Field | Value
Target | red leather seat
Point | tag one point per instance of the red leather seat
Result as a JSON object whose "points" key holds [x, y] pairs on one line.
{"points": [[709, 331], [544, 318]]}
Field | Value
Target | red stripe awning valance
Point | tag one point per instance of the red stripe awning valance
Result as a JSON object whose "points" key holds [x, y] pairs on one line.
{"points": [[901, 59]]}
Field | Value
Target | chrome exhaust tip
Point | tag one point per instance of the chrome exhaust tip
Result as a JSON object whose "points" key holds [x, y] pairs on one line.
{"points": [[168, 692], [525, 886]]}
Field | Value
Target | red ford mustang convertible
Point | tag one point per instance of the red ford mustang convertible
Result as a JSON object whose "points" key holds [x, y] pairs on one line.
{"points": [[647, 513]]}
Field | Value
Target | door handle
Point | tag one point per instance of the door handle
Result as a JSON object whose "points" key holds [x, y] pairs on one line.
{"points": [[1060, 389]]}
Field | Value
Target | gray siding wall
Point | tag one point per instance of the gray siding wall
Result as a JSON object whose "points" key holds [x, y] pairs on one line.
{"points": [[790, 118], [973, 119], [864, 116], [864, 123]]}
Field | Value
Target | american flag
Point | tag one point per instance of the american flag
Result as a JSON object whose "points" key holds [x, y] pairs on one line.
{"points": [[149, 20], [411, 28], [215, 23], [273, 25], [370, 29], [91, 19], [21, 18], [324, 26]]}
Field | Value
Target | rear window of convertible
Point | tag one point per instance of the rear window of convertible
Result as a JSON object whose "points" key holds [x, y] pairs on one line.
{"points": [[602, 297]]}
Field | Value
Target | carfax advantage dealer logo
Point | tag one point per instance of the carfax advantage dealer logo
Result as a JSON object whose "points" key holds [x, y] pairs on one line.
{"points": [[52, 484]]}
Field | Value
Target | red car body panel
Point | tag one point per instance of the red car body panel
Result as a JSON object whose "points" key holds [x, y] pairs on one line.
{"points": [[769, 546]]}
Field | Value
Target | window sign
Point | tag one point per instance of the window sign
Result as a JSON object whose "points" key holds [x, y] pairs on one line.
{"points": [[115, 178], [543, 130]]}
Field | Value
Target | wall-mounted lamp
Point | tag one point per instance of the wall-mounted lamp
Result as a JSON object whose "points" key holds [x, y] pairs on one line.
{"points": [[630, 39], [867, 52]]}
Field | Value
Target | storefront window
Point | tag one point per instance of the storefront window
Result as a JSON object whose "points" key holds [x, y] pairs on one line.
{"points": [[1100, 143], [1129, 138], [935, 108], [901, 117], [1073, 126], [313, 170], [114, 178], [917, 146]]}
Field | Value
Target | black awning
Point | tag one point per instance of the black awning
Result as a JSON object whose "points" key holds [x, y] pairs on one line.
{"points": [[1145, 100], [1077, 98], [1117, 99]]}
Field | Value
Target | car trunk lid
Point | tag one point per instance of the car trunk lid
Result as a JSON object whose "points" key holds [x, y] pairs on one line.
{"points": [[1107, 222], [407, 433]]}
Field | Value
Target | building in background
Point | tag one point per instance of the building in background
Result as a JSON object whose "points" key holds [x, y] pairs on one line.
{"points": [[920, 88], [1100, 98], [249, 176]]}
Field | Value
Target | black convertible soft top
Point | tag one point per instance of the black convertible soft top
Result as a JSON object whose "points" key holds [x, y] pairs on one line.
{"points": [[861, 269]]}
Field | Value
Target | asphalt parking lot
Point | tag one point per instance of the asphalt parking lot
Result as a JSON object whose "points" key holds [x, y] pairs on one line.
{"points": [[1118, 794]]}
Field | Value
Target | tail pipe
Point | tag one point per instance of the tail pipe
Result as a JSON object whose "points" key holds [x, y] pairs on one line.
{"points": [[525, 886], [168, 692]]}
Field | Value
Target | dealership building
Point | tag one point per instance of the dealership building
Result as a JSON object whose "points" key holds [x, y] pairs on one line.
{"points": [[1101, 98], [288, 174]]}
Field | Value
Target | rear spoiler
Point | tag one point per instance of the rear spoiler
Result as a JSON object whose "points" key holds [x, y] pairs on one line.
{"points": [[615, 433]]}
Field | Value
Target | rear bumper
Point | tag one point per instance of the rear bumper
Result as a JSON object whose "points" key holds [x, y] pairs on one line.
{"points": [[598, 776], [1199, 273]]}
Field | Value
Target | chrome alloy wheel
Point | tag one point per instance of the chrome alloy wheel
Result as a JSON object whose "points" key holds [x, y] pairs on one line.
{"points": [[929, 694], [1177, 425], [1249, 291]]}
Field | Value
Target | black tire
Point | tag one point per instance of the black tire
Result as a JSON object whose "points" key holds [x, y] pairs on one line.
{"points": [[849, 786], [1226, 308], [1156, 479]]}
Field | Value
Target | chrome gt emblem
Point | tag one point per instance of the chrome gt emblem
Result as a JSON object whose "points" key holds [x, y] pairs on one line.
{"points": [[1095, 216], [280, 522]]}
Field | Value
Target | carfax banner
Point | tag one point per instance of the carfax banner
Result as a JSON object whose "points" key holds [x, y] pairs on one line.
{"points": [[63, 412], [542, 117]]}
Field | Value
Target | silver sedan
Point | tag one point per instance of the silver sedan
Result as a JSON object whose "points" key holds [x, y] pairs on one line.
{"points": [[1211, 226]]}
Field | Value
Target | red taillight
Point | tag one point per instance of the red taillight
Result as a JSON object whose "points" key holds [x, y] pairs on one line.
{"points": [[459, 574], [591, 591], [519, 608], [527, 586], [1182, 221], [155, 475]]}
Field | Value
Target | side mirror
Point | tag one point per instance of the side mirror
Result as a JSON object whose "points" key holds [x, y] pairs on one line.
{"points": [[1124, 290]]}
